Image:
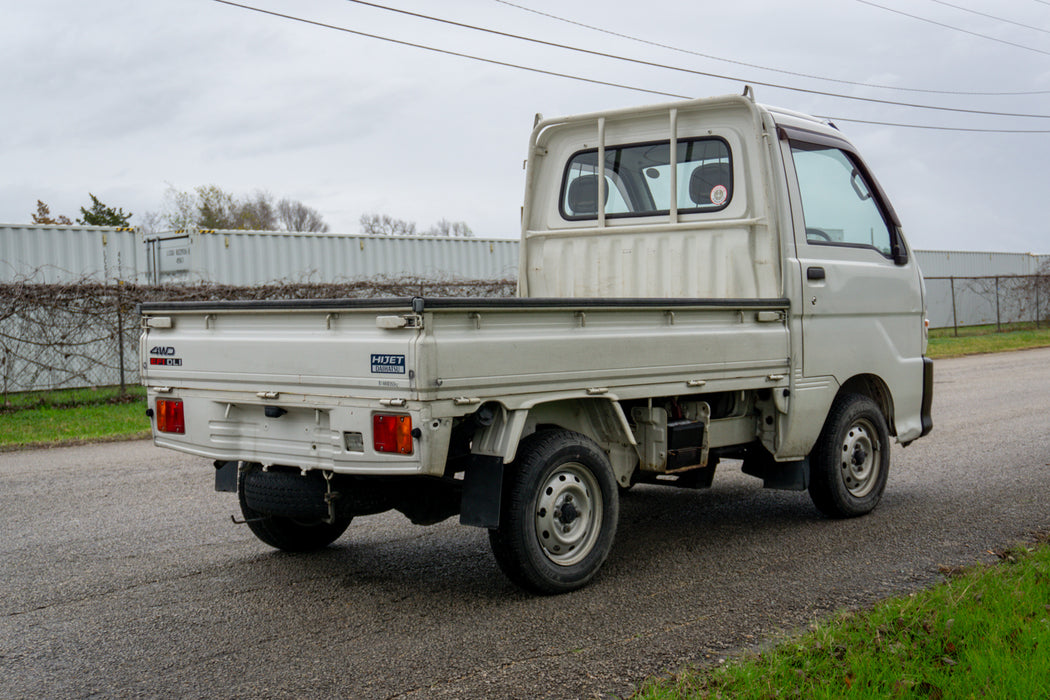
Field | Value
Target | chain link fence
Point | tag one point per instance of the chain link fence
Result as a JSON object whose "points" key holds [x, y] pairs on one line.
{"points": [[954, 302], [85, 334]]}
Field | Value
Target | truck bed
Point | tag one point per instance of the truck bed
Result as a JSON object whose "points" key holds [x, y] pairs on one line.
{"points": [[331, 364], [479, 347]]}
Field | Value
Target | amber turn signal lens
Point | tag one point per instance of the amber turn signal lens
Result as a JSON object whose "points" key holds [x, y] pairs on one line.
{"points": [[170, 416], [392, 432]]}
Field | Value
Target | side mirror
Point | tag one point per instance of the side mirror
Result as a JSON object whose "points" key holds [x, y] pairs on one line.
{"points": [[900, 251]]}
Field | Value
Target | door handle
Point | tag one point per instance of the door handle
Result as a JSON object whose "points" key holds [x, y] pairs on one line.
{"points": [[815, 273]]}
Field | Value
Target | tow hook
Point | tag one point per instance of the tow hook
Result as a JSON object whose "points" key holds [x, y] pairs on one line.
{"points": [[330, 496]]}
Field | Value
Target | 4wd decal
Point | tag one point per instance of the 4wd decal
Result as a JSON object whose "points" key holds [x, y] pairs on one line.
{"points": [[165, 359], [388, 364]]}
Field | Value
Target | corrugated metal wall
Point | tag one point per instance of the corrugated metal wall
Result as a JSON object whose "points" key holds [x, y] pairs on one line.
{"points": [[258, 257], [51, 254], [69, 253], [956, 263]]}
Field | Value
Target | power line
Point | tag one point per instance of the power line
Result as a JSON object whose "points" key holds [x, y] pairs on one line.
{"points": [[999, 19], [938, 128], [602, 82], [768, 68], [452, 53], [949, 26], [664, 66]]}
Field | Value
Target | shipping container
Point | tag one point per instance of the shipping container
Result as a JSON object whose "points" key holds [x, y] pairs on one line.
{"points": [[59, 254], [964, 263], [260, 257]]}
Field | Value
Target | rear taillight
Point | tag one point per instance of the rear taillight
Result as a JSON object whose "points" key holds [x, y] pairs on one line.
{"points": [[392, 432], [170, 417]]}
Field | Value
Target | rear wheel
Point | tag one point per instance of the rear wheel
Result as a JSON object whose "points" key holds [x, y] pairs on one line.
{"points": [[286, 510], [851, 460], [559, 513]]}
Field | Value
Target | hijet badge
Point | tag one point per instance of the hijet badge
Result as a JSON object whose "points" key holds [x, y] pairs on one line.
{"points": [[388, 364]]}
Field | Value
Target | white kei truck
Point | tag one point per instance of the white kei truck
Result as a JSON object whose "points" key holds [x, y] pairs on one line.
{"points": [[700, 281]]}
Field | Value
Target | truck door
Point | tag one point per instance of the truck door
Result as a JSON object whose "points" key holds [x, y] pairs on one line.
{"points": [[861, 291]]}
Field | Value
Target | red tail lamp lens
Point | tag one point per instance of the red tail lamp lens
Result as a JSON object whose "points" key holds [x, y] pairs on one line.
{"points": [[170, 417], [392, 432]]}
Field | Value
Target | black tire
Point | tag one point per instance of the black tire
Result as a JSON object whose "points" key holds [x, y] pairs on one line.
{"points": [[559, 513], [286, 510], [851, 460]]}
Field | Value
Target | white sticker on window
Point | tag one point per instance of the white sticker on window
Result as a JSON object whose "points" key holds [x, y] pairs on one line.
{"points": [[719, 194]]}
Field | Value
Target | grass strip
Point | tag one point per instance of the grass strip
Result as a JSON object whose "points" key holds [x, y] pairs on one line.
{"points": [[983, 339], [49, 425], [984, 632]]}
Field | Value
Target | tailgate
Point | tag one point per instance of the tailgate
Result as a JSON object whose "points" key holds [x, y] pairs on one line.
{"points": [[290, 348]]}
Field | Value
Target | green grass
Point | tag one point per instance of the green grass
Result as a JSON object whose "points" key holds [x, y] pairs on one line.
{"points": [[35, 419], [973, 340], [66, 398], [981, 633]]}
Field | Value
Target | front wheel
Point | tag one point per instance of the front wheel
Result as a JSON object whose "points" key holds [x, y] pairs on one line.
{"points": [[286, 510], [559, 513], [851, 460]]}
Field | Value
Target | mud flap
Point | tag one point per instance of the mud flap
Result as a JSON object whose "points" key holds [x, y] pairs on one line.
{"points": [[226, 476], [482, 492], [784, 476]]}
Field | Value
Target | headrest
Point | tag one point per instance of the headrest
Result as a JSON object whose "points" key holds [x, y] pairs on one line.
{"points": [[704, 181], [583, 195]]}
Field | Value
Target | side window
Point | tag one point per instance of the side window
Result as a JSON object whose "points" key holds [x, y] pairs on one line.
{"points": [[837, 203]]}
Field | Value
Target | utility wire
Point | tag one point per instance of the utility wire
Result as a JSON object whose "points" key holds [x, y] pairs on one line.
{"points": [[664, 66], [591, 80], [949, 26], [768, 68], [452, 53], [999, 19], [937, 128]]}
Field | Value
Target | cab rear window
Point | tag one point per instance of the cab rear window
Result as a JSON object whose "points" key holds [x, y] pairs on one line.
{"points": [[638, 180]]}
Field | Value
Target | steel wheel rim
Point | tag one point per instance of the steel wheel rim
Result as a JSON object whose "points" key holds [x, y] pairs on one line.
{"points": [[568, 514], [861, 458]]}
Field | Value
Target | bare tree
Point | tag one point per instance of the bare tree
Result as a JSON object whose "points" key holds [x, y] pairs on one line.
{"points": [[211, 207], [384, 225], [296, 216], [450, 229]]}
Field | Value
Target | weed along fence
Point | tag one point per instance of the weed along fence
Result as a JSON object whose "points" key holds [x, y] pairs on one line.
{"points": [[966, 288], [954, 302]]}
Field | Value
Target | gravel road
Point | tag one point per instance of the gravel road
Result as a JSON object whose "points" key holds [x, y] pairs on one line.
{"points": [[124, 577]]}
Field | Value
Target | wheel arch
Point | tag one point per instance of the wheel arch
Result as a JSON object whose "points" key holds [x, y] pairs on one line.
{"points": [[601, 419], [874, 388]]}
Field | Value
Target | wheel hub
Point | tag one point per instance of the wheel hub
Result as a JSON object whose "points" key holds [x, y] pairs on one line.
{"points": [[568, 514], [860, 459]]}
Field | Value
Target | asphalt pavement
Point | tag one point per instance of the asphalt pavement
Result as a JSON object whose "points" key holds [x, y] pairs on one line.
{"points": [[123, 575]]}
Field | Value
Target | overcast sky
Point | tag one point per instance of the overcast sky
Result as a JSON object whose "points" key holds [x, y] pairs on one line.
{"points": [[126, 98]]}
